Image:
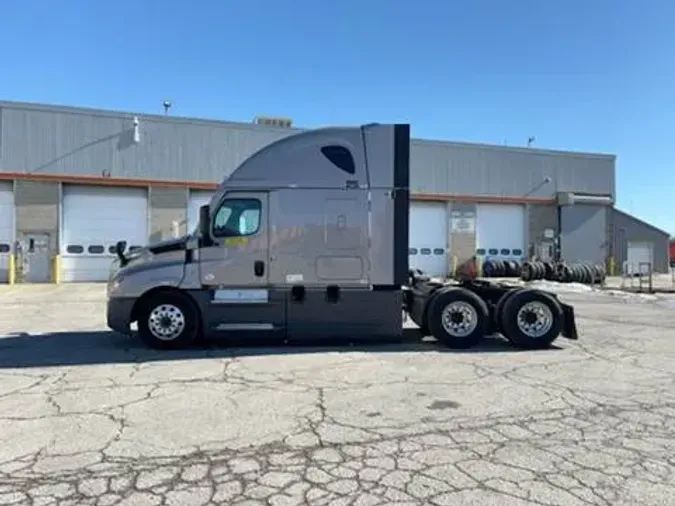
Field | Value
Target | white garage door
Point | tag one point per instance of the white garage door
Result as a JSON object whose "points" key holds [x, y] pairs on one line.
{"points": [[639, 256], [500, 231], [93, 220], [197, 200], [6, 228], [429, 237]]}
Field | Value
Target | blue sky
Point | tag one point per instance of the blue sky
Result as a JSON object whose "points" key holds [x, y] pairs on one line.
{"points": [[593, 75]]}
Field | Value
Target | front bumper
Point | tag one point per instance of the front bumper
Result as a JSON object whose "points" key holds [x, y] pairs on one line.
{"points": [[569, 329], [119, 312]]}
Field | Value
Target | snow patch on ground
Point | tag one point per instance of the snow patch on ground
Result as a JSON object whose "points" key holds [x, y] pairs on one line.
{"points": [[554, 286]]}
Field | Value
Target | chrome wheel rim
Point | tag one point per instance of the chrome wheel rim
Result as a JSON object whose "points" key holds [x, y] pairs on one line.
{"points": [[459, 319], [534, 319], [166, 322]]}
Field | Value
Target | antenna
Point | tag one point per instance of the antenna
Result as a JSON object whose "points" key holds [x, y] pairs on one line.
{"points": [[167, 105], [530, 140]]}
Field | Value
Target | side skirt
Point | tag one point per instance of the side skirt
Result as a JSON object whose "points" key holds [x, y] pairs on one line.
{"points": [[300, 313]]}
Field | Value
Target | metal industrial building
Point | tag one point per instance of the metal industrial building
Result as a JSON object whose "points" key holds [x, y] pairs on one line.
{"points": [[74, 181]]}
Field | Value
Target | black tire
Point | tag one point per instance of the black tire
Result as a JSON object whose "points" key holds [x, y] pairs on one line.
{"points": [[499, 307], [515, 268], [500, 272], [541, 270], [489, 269], [463, 301], [602, 273], [515, 330], [588, 279], [549, 271], [559, 273], [527, 271], [178, 314]]}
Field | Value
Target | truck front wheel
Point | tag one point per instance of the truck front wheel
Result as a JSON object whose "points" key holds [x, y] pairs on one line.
{"points": [[167, 320], [458, 318]]}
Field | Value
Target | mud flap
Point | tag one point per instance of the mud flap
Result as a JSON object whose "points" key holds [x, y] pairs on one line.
{"points": [[569, 328]]}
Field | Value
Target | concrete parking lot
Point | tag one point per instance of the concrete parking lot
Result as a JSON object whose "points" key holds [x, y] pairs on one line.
{"points": [[88, 417]]}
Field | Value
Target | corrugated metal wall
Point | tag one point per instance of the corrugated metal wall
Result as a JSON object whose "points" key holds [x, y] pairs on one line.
{"points": [[625, 228], [462, 169], [48, 141], [81, 142]]}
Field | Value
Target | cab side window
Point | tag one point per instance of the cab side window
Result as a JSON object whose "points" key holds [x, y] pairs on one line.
{"points": [[237, 217]]}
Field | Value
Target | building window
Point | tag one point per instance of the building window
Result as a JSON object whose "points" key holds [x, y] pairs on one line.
{"points": [[74, 249], [412, 251], [425, 251], [493, 251], [237, 218], [340, 157], [480, 251], [112, 250], [5, 248], [517, 252], [439, 251], [134, 248], [95, 249], [505, 251]]}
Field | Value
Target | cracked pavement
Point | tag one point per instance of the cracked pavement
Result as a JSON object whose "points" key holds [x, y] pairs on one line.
{"points": [[89, 417]]}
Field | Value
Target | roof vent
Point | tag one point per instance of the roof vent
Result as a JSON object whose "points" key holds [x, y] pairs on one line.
{"points": [[275, 122]]}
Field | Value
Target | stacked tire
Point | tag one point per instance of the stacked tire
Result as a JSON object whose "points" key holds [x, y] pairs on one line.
{"points": [[496, 268], [579, 272], [535, 270]]}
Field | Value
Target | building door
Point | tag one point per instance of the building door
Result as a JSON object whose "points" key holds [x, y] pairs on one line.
{"points": [[35, 258], [195, 201], [639, 258], [93, 219], [500, 231], [428, 238], [584, 233]]}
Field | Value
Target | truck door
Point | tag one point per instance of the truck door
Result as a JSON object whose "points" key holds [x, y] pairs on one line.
{"points": [[235, 269], [239, 256]]}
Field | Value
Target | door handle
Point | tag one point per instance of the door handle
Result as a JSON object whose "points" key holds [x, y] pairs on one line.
{"points": [[259, 268]]}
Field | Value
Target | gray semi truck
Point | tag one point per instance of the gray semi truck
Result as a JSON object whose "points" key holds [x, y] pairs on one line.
{"points": [[308, 239]]}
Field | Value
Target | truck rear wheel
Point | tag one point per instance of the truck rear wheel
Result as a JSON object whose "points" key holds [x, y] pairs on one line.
{"points": [[458, 318], [499, 307], [167, 320], [531, 319]]}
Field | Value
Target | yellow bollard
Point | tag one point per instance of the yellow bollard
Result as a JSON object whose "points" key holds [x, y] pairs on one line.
{"points": [[454, 265], [612, 266], [56, 269], [479, 266], [11, 269]]}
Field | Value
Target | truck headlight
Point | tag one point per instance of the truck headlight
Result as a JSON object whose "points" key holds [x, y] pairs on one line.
{"points": [[114, 284]]}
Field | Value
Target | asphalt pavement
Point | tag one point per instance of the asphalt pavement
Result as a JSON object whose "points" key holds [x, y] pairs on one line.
{"points": [[89, 417]]}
